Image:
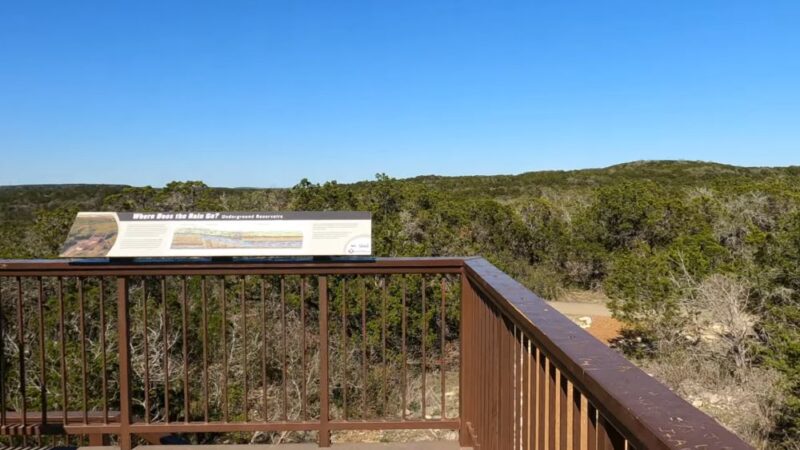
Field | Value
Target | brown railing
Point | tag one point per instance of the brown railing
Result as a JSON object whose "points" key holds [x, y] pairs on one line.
{"points": [[140, 350]]}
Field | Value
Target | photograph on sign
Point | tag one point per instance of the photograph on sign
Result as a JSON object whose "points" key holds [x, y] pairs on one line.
{"points": [[219, 234]]}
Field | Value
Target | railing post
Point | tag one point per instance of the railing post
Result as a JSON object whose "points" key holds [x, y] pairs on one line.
{"points": [[466, 371], [123, 328], [324, 434]]}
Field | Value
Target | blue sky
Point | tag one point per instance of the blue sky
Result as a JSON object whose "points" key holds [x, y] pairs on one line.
{"points": [[262, 93]]}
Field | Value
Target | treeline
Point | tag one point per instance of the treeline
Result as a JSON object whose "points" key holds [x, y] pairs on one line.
{"points": [[700, 260]]}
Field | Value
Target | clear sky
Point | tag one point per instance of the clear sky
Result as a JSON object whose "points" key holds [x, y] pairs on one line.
{"points": [[264, 93]]}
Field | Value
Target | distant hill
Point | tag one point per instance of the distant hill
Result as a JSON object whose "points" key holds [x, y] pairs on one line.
{"points": [[19, 203], [665, 173]]}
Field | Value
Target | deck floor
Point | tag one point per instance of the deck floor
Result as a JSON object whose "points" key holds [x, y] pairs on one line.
{"points": [[431, 445]]}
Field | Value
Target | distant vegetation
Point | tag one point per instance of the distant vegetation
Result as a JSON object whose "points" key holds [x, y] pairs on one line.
{"points": [[701, 260]]}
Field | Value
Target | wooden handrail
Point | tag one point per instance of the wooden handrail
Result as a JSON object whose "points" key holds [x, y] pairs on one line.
{"points": [[337, 266], [529, 377], [137, 283], [645, 412]]}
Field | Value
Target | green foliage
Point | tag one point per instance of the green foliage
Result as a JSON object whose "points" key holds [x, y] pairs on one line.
{"points": [[642, 295], [20, 204], [546, 228], [627, 213], [781, 325], [175, 196], [49, 230]]}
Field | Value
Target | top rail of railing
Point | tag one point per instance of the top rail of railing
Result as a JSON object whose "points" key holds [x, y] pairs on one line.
{"points": [[336, 266]]}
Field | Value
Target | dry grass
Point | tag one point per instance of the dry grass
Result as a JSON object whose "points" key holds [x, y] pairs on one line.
{"points": [[747, 401], [433, 411]]}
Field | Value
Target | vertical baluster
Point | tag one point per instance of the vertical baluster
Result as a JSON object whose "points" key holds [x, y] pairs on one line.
{"points": [[166, 347], [477, 363], [532, 394], [443, 336], [2, 359], [521, 395], [404, 324], [364, 349], [484, 379], [146, 340], [494, 385], [504, 407], [184, 329], [465, 401], [511, 367], [494, 376], [591, 428], [344, 348], [424, 333], [204, 330], [225, 410], [552, 396], [63, 336], [304, 393], [515, 387], [504, 374], [557, 410], [477, 341], [481, 364], [324, 404], [523, 391], [488, 372], [84, 367], [584, 423], [284, 380], [541, 399], [21, 346], [103, 358], [491, 396], [509, 379], [491, 388], [123, 347], [486, 369], [264, 381], [244, 348], [576, 418], [514, 396], [42, 350], [563, 413], [383, 346]]}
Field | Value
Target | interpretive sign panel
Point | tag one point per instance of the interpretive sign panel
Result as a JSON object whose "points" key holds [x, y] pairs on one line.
{"points": [[182, 234]]}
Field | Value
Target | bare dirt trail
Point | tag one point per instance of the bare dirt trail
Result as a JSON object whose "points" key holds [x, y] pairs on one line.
{"points": [[601, 324], [581, 309]]}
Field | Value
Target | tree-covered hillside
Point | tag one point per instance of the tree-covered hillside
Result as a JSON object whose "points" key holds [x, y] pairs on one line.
{"points": [[701, 260], [20, 204]]}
